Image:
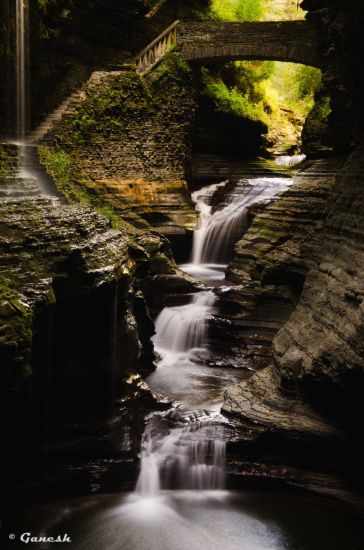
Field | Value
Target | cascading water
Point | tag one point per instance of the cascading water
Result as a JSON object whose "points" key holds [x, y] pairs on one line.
{"points": [[220, 229], [180, 500], [181, 341], [26, 179], [188, 457], [183, 328], [22, 65]]}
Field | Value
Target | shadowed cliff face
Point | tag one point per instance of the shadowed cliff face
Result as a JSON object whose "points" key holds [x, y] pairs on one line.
{"points": [[342, 50], [74, 323], [321, 345], [318, 366]]}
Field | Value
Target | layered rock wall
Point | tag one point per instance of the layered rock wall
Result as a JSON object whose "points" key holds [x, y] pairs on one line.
{"points": [[317, 370], [74, 325], [321, 345]]}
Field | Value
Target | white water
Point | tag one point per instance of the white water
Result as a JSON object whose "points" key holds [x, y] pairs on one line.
{"points": [[180, 502], [28, 181], [184, 328], [21, 67], [220, 229], [182, 457], [189, 457], [288, 161], [185, 457]]}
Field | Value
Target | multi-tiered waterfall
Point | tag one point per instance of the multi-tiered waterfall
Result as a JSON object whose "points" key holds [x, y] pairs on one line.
{"points": [[190, 457], [181, 500]]}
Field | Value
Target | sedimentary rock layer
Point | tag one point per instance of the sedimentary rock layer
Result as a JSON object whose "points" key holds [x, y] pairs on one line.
{"points": [[268, 268]]}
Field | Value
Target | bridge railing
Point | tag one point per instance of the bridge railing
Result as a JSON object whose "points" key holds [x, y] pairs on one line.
{"points": [[148, 58]]}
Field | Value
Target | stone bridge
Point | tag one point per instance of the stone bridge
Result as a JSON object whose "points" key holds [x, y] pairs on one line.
{"points": [[216, 41], [293, 41]]}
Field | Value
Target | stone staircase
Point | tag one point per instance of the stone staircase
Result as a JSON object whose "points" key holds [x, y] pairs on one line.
{"points": [[67, 106]]}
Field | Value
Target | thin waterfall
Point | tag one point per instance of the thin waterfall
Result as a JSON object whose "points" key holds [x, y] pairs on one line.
{"points": [[22, 66], [30, 181]]}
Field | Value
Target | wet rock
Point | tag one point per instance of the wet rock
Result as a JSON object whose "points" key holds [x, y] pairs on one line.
{"points": [[268, 268], [74, 324], [320, 348], [140, 396], [313, 391], [262, 407]]}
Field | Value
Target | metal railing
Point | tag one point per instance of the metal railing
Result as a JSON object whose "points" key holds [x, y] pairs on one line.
{"points": [[148, 58]]}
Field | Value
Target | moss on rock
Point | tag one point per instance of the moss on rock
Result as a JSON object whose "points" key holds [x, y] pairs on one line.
{"points": [[123, 147]]}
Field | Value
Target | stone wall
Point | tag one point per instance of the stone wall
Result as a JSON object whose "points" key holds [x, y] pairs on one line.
{"points": [[128, 141]]}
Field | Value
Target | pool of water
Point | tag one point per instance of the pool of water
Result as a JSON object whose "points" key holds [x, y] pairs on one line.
{"points": [[201, 520]]}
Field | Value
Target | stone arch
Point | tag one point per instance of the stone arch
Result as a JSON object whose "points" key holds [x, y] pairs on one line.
{"points": [[290, 41]]}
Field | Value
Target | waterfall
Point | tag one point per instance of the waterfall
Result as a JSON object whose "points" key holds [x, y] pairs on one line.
{"points": [[22, 65], [28, 181], [182, 328], [289, 161], [190, 457], [202, 200], [219, 230]]}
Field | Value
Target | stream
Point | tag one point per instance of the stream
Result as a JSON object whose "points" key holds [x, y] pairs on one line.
{"points": [[181, 499]]}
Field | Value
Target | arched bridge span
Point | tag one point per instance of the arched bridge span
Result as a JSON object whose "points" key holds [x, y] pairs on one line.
{"points": [[216, 41]]}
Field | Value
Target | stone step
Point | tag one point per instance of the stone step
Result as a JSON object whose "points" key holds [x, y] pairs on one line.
{"points": [[67, 106]]}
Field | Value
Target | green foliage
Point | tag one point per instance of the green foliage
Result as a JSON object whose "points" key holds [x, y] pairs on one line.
{"points": [[58, 163], [243, 101], [278, 94], [237, 10]]}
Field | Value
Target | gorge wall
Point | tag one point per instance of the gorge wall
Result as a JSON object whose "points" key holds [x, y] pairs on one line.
{"points": [[71, 278], [317, 375]]}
